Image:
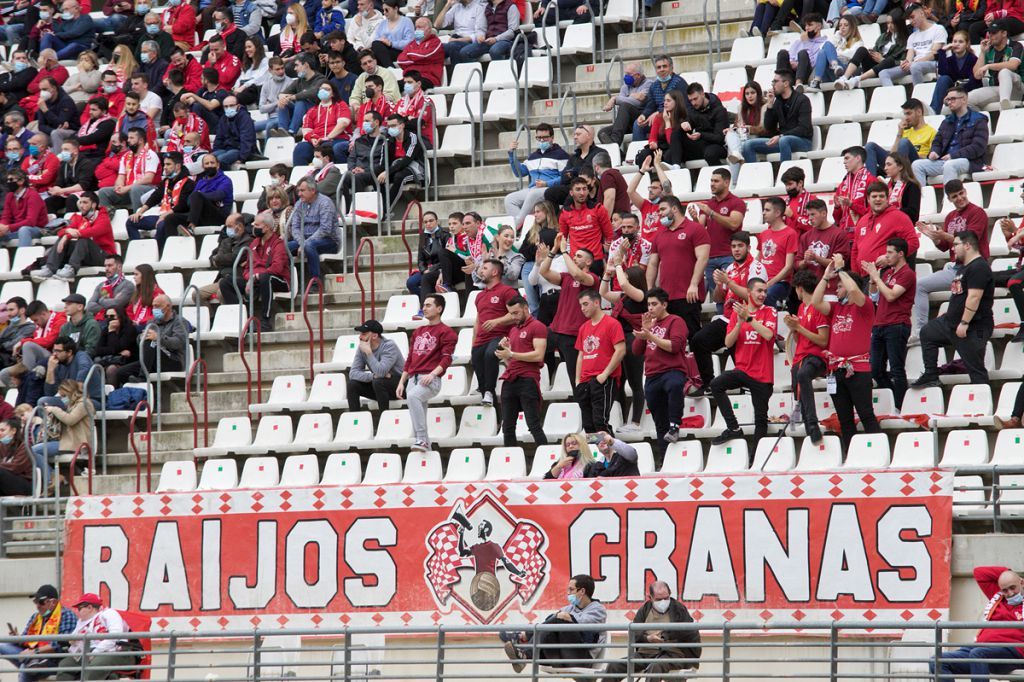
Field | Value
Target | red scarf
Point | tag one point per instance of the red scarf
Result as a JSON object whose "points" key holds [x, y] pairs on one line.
{"points": [[172, 194], [853, 185], [896, 188]]}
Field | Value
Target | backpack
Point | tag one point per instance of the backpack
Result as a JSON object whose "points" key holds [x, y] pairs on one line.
{"points": [[125, 398]]}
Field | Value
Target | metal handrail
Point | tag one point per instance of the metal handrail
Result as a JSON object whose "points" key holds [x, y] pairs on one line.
{"points": [[251, 309], [641, 17], [349, 210], [522, 86], [74, 461], [305, 316], [149, 446], [520, 177], [608, 74], [594, 16], [658, 23], [103, 409], [570, 93], [419, 229], [555, 86], [205, 379], [159, 368], [259, 365], [476, 141], [429, 156], [383, 202], [199, 321], [365, 241]]}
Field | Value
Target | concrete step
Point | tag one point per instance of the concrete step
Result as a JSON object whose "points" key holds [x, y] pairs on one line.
{"points": [[295, 359], [693, 39]]}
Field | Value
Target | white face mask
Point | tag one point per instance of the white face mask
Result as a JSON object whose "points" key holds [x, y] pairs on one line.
{"points": [[661, 605]]}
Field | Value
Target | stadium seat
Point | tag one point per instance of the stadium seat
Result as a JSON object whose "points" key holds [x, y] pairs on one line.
{"points": [[421, 467], [914, 449], [505, 464], [868, 451], [968, 495], [1007, 320], [918, 404], [143, 251], [839, 137], [830, 174], [466, 465], [774, 454], [441, 424], [968, 447], [400, 311], [1007, 162], [744, 51], [683, 457], [341, 359], [226, 322], [886, 103], [455, 386], [968, 404], [273, 434], [1009, 448], [219, 474], [313, 432], [394, 427], [287, 393], [1006, 197], [177, 476], [300, 470], [477, 426], [562, 419], [260, 472], [755, 179], [342, 468], [383, 468], [24, 256], [644, 458], [52, 292], [1011, 494], [179, 252], [826, 456], [355, 430], [846, 106], [1007, 397], [544, 458], [232, 433], [502, 105], [729, 457]]}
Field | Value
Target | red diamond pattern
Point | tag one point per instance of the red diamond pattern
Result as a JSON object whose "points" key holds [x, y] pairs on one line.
{"points": [[907, 490], [765, 615], [345, 619], [255, 620], [629, 496], [835, 491], [728, 494], [661, 495], [163, 623], [836, 615], [907, 478], [195, 623], [868, 491], [835, 479], [870, 615], [934, 615], [868, 478], [697, 615], [316, 620], [377, 618], [907, 615], [934, 489], [729, 615], [799, 615], [223, 622], [406, 617], [283, 620]]}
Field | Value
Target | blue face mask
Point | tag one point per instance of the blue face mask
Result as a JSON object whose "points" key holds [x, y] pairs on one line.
{"points": [[544, 146], [44, 16], [152, 29], [664, 79], [64, 399], [64, 156], [21, 66], [655, 200], [13, 156], [110, 89], [393, 132], [145, 55], [14, 319], [142, 10], [629, 80], [1015, 600], [230, 233], [367, 127], [324, 95], [66, 16], [230, 112], [574, 600], [33, 149], [158, 314], [666, 221], [173, 3], [407, 89], [7, 440], [419, 35]]}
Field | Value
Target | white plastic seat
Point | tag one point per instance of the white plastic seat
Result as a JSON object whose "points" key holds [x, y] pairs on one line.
{"points": [[830, 174], [277, 150], [968, 404], [143, 251], [506, 464], [883, 132], [744, 51], [273, 434], [344, 352], [1007, 397], [313, 432], [1007, 162], [394, 428], [457, 140], [1009, 448], [219, 474], [478, 425], [825, 456], [226, 322], [502, 105], [1007, 319], [914, 449], [24, 256], [287, 393], [260, 472], [644, 458], [455, 385], [916, 402], [178, 252], [966, 447], [1011, 494], [728, 457], [1006, 197], [300, 470], [886, 103], [968, 495], [355, 430], [52, 292], [173, 284], [544, 457], [400, 311], [383, 468], [465, 108], [683, 457], [868, 451], [1009, 127], [562, 419], [232, 433], [342, 468], [466, 465], [460, 76], [20, 288], [774, 454], [441, 424], [846, 105], [578, 39], [839, 137], [421, 467], [240, 185], [754, 177], [177, 476]]}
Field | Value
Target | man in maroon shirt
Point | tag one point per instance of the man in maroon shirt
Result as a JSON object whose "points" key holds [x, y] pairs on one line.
{"points": [[614, 193], [894, 284], [809, 329], [523, 350], [586, 224], [492, 324], [568, 318], [430, 356], [751, 336], [602, 345], [722, 215], [965, 217], [819, 243], [684, 247], [849, 348], [882, 222], [661, 341]]}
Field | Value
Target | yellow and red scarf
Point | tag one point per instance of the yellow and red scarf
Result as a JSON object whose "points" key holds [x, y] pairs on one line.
{"points": [[38, 626]]}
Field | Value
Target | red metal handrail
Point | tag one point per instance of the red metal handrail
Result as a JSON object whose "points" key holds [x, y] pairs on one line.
{"points": [[199, 362], [74, 460], [305, 316], [366, 241], [259, 361], [419, 228], [149, 447]]}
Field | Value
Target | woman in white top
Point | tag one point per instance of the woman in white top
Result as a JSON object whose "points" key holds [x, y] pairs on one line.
{"points": [[254, 72], [837, 52]]}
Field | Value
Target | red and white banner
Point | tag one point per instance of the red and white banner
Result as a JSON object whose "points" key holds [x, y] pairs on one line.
{"points": [[845, 546]]}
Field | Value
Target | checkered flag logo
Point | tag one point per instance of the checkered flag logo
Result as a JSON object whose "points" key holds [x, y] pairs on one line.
{"points": [[444, 561], [523, 549]]}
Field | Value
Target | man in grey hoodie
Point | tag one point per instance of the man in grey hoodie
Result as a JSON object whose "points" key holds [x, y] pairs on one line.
{"points": [[171, 344], [115, 291], [376, 368]]}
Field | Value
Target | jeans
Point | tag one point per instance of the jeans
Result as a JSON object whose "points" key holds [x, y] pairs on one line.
{"points": [[473, 51], [803, 375], [827, 57], [110, 199], [778, 296], [876, 154], [942, 332], [25, 235], [418, 395], [302, 155], [64, 49], [42, 453], [974, 663], [290, 115], [664, 393], [760, 394], [565, 344], [109, 24], [486, 365], [520, 203], [312, 250], [521, 395], [532, 291], [889, 348], [918, 71], [937, 281], [227, 157], [715, 263], [942, 85], [950, 170], [413, 284], [269, 122], [786, 146], [854, 393], [12, 652]]}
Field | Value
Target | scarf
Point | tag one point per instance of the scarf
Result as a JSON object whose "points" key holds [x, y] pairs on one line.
{"points": [[838, 362], [896, 193], [799, 221], [852, 187], [38, 626]]}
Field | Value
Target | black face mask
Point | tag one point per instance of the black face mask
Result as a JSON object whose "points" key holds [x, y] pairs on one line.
{"points": [[573, 454], [209, 172], [370, 93], [631, 237], [257, 232], [812, 35], [133, 148], [12, 185]]}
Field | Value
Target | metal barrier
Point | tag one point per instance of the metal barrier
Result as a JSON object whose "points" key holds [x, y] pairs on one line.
{"points": [[251, 308], [659, 23], [419, 230], [594, 16], [429, 156], [609, 93], [555, 86], [305, 316], [159, 367], [522, 76], [259, 365], [149, 446], [383, 198], [90, 466], [103, 408], [204, 377], [570, 93], [476, 151], [516, 166], [714, 46], [194, 290], [365, 241]]}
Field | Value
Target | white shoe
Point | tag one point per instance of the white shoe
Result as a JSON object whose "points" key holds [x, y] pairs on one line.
{"points": [[66, 274], [913, 341], [841, 83], [629, 428], [42, 273], [488, 399], [853, 83], [1005, 104]]}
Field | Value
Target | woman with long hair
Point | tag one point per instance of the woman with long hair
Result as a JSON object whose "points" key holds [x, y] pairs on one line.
{"points": [[750, 121], [73, 418], [573, 460], [124, 64], [254, 72], [904, 190], [140, 305], [836, 54], [629, 303], [296, 25], [392, 34], [889, 51], [669, 133], [955, 63], [543, 231], [118, 343], [503, 249]]}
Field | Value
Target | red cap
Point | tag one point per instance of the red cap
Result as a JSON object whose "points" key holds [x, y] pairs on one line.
{"points": [[89, 598]]}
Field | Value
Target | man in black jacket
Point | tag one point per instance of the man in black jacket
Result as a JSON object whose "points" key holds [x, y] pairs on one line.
{"points": [[76, 174], [361, 166], [788, 121], [171, 195], [581, 159], [428, 258], [709, 120], [14, 83], [56, 108], [654, 644], [406, 153], [235, 236]]}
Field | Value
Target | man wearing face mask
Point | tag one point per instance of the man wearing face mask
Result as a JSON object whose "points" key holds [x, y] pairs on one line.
{"points": [[236, 136], [72, 33], [94, 134], [171, 349], [233, 238], [24, 213], [56, 108], [273, 86], [433, 238], [414, 105], [658, 187], [650, 646], [406, 153], [208, 204], [40, 165], [376, 100], [14, 128], [666, 79], [182, 123], [233, 40], [362, 27], [14, 153], [14, 83], [86, 241], [424, 55], [15, 464], [627, 104], [136, 174], [18, 328], [630, 248], [369, 66], [271, 272], [171, 195], [363, 163], [76, 175], [299, 96], [315, 227], [324, 173], [153, 49]]}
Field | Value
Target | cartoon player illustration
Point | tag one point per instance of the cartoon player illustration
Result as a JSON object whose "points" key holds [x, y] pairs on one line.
{"points": [[484, 590]]}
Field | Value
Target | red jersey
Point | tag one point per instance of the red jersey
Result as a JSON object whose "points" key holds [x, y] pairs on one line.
{"points": [[568, 316], [997, 609], [852, 187], [322, 119], [486, 555], [431, 347], [799, 221], [677, 257], [45, 336], [971, 219], [752, 353], [587, 227], [740, 274], [824, 244], [520, 340], [650, 220], [596, 343], [898, 311], [849, 341], [656, 360], [41, 170], [490, 305], [811, 320], [873, 231], [775, 246], [720, 235], [229, 68]]}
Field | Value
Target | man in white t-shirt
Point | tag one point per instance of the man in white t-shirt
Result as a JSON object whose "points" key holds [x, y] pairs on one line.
{"points": [[93, 619], [922, 45], [149, 101]]}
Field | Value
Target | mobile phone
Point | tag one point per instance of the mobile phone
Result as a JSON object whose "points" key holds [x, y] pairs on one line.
{"points": [[11, 630], [595, 438]]}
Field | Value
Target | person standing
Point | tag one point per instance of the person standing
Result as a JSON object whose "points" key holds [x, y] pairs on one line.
{"points": [[722, 215], [586, 224], [882, 222], [430, 355], [565, 327], [894, 284], [778, 246], [602, 346], [684, 246], [493, 322], [376, 368], [809, 330], [821, 241], [661, 341], [523, 350], [851, 194]]}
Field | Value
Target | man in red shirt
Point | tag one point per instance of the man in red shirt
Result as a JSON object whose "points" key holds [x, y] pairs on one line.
{"points": [[778, 246], [894, 284], [850, 198], [796, 212], [849, 348], [602, 345], [661, 341], [586, 224], [424, 55], [722, 215], [523, 350], [965, 217], [568, 318], [1002, 587], [650, 218], [271, 271], [809, 329], [821, 241], [24, 213], [684, 246], [881, 223], [227, 65], [493, 322], [86, 241], [430, 355], [751, 336]]}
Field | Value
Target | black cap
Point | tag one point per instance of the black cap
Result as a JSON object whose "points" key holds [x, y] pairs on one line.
{"points": [[370, 326], [46, 592], [998, 26], [75, 298]]}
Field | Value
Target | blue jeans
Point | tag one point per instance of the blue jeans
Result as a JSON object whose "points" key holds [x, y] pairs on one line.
{"points": [[42, 453], [786, 146], [778, 295], [942, 85], [473, 51], [664, 395], [889, 348], [716, 263], [227, 156], [269, 122], [24, 235], [64, 50], [453, 49], [876, 154], [148, 222], [302, 154], [290, 115], [532, 292], [413, 283], [826, 57], [12, 652], [312, 250], [341, 151], [109, 24], [974, 662]]}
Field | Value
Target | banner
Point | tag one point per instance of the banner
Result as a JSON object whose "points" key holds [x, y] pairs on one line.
{"points": [[807, 546]]}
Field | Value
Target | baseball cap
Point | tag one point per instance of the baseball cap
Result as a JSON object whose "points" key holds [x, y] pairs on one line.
{"points": [[370, 326], [89, 598], [998, 26], [46, 592], [75, 298]]}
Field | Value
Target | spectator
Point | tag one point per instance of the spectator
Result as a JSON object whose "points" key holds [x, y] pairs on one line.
{"points": [[171, 196], [338, 44], [92, 619], [24, 214], [661, 341], [405, 150], [425, 54], [586, 224], [86, 241], [150, 102], [223, 54], [72, 34], [851, 195], [165, 345], [602, 346], [388, 85], [493, 322], [465, 251], [18, 328], [431, 349], [376, 100], [503, 250], [328, 19], [894, 285], [618, 459], [822, 241], [14, 83], [749, 123], [235, 236], [883, 222], [14, 122], [613, 191], [179, 19], [1002, 587], [722, 216], [913, 139], [299, 96], [330, 122], [365, 161], [965, 217], [314, 227], [967, 323], [966, 14], [544, 168], [32, 352], [70, 362], [672, 132], [779, 246], [416, 108], [667, 81], [577, 277], [40, 164], [803, 52], [998, 69], [110, 163], [248, 17], [629, 303], [271, 272], [376, 368], [1007, 12], [627, 104], [209, 203], [468, 24], [190, 69], [136, 175], [324, 173], [889, 51], [272, 88], [657, 187], [145, 290], [575, 10], [13, 154], [542, 231], [77, 173], [629, 249], [685, 247], [654, 650], [835, 54], [118, 344], [788, 121], [84, 83], [236, 135], [502, 19], [132, 116], [710, 119], [78, 326], [361, 29], [294, 26], [809, 330], [423, 280], [956, 63], [51, 617], [927, 38], [115, 291], [555, 645], [798, 197], [751, 334], [581, 159], [765, 12], [392, 34], [574, 460], [523, 351]]}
